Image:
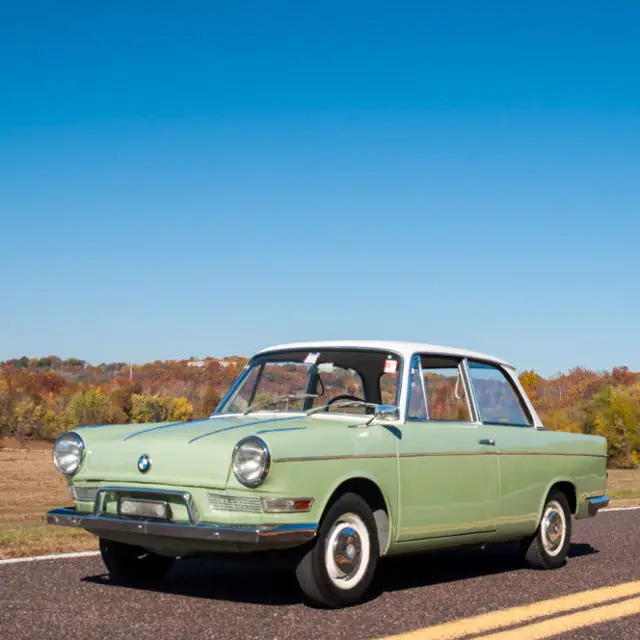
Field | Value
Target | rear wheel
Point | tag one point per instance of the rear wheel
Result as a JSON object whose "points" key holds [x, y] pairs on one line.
{"points": [[549, 547], [134, 566], [338, 569]]}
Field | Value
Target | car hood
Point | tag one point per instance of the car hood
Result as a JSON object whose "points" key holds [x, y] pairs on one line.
{"points": [[186, 453]]}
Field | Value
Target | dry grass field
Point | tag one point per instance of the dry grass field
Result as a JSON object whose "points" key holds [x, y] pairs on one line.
{"points": [[30, 485], [623, 486]]}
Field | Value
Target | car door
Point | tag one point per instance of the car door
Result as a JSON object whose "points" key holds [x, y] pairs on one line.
{"points": [[448, 476], [524, 468]]}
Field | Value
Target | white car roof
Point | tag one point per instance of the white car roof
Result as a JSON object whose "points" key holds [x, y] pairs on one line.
{"points": [[406, 349]]}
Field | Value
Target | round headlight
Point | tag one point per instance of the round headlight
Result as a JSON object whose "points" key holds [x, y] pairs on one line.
{"points": [[68, 452], [251, 461]]}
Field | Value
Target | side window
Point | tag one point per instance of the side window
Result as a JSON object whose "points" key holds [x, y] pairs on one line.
{"points": [[498, 402], [437, 391], [446, 398]]}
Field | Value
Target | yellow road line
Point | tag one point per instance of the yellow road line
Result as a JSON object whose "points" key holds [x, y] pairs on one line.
{"points": [[570, 622], [493, 621]]}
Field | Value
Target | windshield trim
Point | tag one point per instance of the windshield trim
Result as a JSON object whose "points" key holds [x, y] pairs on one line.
{"points": [[265, 356]]}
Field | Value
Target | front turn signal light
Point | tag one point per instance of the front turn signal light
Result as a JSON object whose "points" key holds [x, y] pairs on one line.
{"points": [[286, 505]]}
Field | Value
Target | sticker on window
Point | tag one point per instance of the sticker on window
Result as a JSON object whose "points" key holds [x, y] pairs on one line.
{"points": [[390, 366], [311, 358]]}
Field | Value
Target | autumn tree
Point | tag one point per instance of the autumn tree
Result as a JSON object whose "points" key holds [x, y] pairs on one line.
{"points": [[615, 414], [90, 407]]}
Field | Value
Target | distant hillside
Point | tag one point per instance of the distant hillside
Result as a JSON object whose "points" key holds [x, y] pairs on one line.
{"points": [[43, 397]]}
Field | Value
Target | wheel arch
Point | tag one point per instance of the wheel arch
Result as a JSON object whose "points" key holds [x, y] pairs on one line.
{"points": [[565, 486], [368, 488]]}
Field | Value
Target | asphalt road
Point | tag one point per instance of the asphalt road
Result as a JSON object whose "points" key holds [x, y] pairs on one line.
{"points": [[202, 599]]}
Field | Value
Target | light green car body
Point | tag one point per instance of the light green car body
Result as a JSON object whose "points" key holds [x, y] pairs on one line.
{"points": [[440, 483]]}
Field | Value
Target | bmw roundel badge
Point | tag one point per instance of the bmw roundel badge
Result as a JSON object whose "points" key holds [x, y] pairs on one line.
{"points": [[144, 463]]}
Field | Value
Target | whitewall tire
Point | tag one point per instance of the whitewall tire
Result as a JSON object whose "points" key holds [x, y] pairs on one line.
{"points": [[549, 546], [338, 569]]}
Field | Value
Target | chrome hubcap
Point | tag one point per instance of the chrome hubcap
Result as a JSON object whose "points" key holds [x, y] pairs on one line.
{"points": [[347, 551], [553, 528], [553, 525]]}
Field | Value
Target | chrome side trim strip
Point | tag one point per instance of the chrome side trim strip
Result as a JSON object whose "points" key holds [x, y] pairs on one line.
{"points": [[267, 534], [552, 453], [595, 504], [436, 454], [365, 456], [338, 457]]}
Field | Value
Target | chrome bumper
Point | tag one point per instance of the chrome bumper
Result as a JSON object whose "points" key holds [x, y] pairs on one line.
{"points": [[269, 535], [595, 504], [101, 523]]}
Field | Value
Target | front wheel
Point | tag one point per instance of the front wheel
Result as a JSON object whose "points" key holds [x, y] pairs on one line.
{"points": [[339, 567], [133, 566], [548, 548]]}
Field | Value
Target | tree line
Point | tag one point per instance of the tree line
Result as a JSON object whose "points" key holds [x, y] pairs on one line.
{"points": [[40, 398], [600, 403]]}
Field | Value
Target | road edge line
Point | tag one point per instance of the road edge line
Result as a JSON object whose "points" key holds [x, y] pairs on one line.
{"points": [[51, 556]]}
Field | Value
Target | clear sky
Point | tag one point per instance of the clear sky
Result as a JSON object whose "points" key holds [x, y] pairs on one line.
{"points": [[205, 178]]}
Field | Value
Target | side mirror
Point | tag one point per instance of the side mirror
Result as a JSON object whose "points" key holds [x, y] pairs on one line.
{"points": [[382, 414], [386, 413]]}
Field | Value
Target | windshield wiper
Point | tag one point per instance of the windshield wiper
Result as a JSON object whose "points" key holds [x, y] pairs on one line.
{"points": [[277, 400], [342, 403]]}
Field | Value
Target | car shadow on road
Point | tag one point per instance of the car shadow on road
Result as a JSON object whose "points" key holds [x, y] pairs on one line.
{"points": [[220, 580], [275, 585], [426, 569]]}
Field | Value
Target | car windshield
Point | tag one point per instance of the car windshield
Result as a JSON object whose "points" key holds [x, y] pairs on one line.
{"points": [[344, 380]]}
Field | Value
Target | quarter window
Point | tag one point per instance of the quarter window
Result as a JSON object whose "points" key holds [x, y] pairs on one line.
{"points": [[497, 400], [417, 409], [437, 391]]}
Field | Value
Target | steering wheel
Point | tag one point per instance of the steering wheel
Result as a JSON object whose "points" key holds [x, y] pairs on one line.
{"points": [[344, 396]]}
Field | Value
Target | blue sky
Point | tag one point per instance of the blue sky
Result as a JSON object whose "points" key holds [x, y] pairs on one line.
{"points": [[206, 178]]}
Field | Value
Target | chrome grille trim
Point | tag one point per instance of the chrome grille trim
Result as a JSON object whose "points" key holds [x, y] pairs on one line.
{"points": [[222, 502], [85, 493]]}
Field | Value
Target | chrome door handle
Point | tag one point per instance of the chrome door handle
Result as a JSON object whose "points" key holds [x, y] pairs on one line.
{"points": [[488, 441]]}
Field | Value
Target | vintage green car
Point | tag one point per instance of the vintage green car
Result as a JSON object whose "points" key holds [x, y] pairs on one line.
{"points": [[333, 454]]}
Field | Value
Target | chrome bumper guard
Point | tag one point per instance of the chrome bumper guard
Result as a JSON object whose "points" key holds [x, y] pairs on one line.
{"points": [[99, 522], [595, 504]]}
